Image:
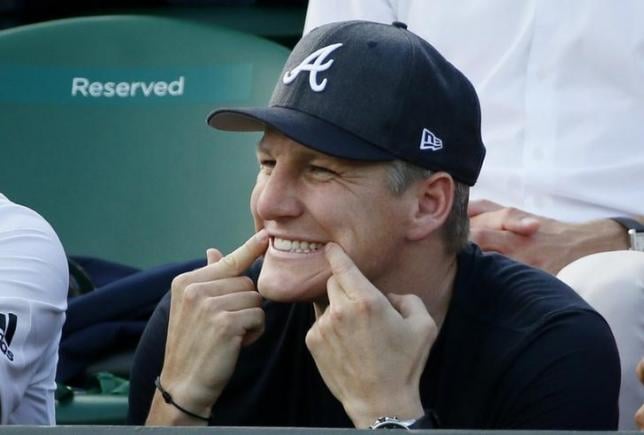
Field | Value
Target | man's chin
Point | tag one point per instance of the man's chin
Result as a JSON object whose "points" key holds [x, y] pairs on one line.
{"points": [[286, 291]]}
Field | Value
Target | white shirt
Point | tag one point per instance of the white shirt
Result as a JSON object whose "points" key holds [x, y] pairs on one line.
{"points": [[561, 84], [33, 299]]}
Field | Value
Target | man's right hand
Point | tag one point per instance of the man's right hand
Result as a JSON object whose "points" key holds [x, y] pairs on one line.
{"points": [[213, 312]]}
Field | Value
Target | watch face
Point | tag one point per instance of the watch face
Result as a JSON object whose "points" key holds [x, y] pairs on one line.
{"points": [[391, 423], [637, 240]]}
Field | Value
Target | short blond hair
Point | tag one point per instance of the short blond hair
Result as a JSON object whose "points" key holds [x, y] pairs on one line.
{"points": [[457, 226]]}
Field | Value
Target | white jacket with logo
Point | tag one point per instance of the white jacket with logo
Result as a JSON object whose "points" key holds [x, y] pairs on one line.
{"points": [[33, 299]]}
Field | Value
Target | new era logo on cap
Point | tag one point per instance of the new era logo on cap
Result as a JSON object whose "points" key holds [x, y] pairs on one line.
{"points": [[429, 141], [313, 64]]}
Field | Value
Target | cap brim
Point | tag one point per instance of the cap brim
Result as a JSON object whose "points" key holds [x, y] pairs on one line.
{"points": [[301, 127]]}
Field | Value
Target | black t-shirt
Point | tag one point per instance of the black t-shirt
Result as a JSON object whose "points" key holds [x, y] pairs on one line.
{"points": [[518, 349]]}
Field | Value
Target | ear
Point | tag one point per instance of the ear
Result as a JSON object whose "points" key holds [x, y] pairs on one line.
{"points": [[433, 203]]}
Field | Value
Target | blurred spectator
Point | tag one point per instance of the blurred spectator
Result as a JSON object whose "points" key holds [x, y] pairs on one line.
{"points": [[33, 298], [639, 416]]}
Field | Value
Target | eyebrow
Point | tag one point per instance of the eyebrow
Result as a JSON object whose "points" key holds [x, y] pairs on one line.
{"points": [[304, 152], [261, 145], [312, 154]]}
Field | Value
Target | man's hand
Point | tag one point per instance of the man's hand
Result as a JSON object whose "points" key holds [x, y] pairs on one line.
{"points": [[639, 415], [214, 311], [370, 349], [544, 243]]}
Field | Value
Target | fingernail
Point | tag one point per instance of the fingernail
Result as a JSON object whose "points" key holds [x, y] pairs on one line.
{"points": [[529, 221], [261, 235], [329, 247]]}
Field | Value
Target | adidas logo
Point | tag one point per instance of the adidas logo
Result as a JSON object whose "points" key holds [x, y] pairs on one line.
{"points": [[429, 141], [8, 323]]}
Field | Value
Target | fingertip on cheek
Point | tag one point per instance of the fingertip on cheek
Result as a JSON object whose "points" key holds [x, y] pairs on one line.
{"points": [[328, 251], [333, 248], [262, 235]]}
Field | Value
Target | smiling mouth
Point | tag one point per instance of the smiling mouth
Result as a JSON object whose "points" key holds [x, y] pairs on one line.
{"points": [[296, 246]]}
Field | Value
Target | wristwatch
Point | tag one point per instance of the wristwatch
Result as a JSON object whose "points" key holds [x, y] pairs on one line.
{"points": [[635, 231], [427, 421], [393, 423]]}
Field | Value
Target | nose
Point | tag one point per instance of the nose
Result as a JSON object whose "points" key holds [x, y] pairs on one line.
{"points": [[277, 196]]}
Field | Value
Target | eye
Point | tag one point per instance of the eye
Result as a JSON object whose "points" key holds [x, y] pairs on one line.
{"points": [[266, 165], [321, 170]]}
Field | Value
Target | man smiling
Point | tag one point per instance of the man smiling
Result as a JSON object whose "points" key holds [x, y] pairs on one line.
{"points": [[359, 301]]}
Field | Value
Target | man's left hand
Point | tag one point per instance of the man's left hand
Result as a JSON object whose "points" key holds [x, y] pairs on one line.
{"points": [[538, 241], [370, 349]]}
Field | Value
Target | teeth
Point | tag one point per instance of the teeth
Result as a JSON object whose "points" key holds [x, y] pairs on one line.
{"points": [[297, 246]]}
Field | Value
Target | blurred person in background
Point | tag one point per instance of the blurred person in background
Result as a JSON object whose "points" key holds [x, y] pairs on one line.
{"points": [[33, 297], [639, 416]]}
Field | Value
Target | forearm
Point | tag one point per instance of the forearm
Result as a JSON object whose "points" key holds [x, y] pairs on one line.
{"points": [[604, 235], [600, 236]]}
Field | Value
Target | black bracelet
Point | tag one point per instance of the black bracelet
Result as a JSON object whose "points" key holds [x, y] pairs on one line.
{"points": [[167, 398]]}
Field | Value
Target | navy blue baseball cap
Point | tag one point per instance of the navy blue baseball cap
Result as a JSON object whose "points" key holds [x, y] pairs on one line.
{"points": [[369, 91]]}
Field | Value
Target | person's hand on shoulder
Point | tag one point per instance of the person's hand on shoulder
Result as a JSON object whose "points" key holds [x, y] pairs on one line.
{"points": [[370, 349], [213, 312], [545, 243]]}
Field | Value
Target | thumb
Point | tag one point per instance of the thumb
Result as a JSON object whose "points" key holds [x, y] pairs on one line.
{"points": [[213, 255], [525, 226], [253, 335], [241, 258], [408, 306]]}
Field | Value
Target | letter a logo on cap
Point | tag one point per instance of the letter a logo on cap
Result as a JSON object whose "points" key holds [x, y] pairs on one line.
{"points": [[313, 64], [429, 141]]}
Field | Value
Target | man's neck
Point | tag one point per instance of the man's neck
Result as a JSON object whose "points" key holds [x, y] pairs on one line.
{"points": [[429, 273], [438, 297]]}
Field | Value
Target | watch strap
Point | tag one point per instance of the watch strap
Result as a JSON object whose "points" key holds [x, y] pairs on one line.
{"points": [[428, 421], [629, 224], [634, 230]]}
